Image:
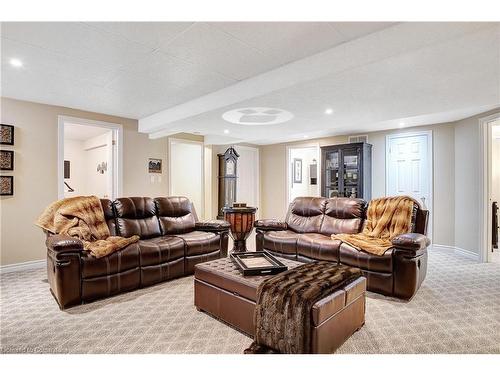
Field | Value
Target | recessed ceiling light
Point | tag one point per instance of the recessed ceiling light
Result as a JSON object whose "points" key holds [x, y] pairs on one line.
{"points": [[226, 131], [16, 63], [328, 111], [305, 136], [402, 124]]}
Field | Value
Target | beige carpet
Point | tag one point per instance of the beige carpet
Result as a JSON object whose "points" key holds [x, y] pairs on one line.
{"points": [[457, 310]]}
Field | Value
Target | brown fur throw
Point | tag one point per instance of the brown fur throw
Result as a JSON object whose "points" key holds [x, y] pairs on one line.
{"points": [[386, 219], [83, 218], [283, 312]]}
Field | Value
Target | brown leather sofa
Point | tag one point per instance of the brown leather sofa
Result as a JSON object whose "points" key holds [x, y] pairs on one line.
{"points": [[305, 236], [172, 241]]}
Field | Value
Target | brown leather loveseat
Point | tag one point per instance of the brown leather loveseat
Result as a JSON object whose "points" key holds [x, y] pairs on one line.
{"points": [[172, 241], [305, 236]]}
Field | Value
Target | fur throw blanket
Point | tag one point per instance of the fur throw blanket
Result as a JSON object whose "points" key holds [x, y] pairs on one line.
{"points": [[386, 219], [83, 218], [283, 312]]}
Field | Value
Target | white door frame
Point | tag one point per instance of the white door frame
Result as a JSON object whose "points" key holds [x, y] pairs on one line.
{"points": [[485, 187], [116, 154], [257, 175], [287, 168], [187, 141], [428, 134]]}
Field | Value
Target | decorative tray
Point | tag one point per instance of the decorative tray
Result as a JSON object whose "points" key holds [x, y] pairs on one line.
{"points": [[257, 263]]}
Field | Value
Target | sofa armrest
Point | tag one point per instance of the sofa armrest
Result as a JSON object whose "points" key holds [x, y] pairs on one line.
{"points": [[270, 224], [60, 244], [411, 243], [212, 225]]}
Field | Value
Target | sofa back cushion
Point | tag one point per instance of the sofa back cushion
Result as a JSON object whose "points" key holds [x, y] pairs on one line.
{"points": [[136, 215], [306, 214], [176, 215], [109, 215], [343, 215]]}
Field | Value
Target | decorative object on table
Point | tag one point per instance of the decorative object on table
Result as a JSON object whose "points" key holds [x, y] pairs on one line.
{"points": [[228, 173], [102, 167], [6, 160], [297, 171], [6, 185], [154, 165], [6, 134], [346, 170], [67, 169], [257, 263], [241, 221]]}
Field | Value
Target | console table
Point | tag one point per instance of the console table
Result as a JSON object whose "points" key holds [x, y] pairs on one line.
{"points": [[241, 221]]}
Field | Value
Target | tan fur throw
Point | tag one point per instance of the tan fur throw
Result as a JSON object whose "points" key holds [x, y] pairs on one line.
{"points": [[386, 219], [83, 218]]}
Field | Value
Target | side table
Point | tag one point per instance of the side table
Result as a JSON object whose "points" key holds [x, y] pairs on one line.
{"points": [[241, 221]]}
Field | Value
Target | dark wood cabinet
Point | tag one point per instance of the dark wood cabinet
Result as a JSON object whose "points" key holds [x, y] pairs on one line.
{"points": [[346, 170]]}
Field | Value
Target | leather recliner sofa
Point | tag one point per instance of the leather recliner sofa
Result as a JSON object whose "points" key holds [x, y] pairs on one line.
{"points": [[172, 241], [305, 236]]}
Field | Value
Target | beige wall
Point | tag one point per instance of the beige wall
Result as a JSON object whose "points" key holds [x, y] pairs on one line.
{"points": [[35, 171]]}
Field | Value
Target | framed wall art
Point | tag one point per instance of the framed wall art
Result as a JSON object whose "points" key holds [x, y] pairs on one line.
{"points": [[6, 185], [6, 134], [297, 171], [154, 165], [6, 160]]}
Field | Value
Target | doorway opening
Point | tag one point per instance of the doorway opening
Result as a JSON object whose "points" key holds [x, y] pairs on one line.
{"points": [[89, 158], [302, 172], [409, 168], [490, 191]]}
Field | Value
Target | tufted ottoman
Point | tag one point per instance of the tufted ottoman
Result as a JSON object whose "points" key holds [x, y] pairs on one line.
{"points": [[222, 291]]}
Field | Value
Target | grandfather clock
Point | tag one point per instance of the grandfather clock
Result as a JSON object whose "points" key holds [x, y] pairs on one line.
{"points": [[227, 179]]}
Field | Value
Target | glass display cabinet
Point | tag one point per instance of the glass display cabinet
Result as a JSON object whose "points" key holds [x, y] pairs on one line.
{"points": [[346, 170]]}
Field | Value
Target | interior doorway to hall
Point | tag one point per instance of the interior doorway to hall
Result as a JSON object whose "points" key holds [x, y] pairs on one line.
{"points": [[302, 172], [494, 201], [89, 160]]}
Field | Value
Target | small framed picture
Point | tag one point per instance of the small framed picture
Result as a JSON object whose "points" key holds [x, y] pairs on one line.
{"points": [[154, 165], [6, 160], [297, 171], [6, 185], [6, 134]]}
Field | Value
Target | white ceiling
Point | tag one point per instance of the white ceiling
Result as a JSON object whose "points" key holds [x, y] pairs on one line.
{"points": [[76, 132], [183, 76]]}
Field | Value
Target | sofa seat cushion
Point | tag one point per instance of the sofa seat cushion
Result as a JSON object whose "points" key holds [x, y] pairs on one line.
{"points": [[198, 242], [370, 262], [116, 262], [159, 250], [318, 246], [282, 241]]}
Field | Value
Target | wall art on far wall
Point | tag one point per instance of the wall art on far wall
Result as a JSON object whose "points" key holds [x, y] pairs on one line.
{"points": [[154, 165], [6, 185], [6, 160], [297, 171], [6, 134]]}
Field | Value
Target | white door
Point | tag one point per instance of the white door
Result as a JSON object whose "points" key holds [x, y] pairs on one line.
{"points": [[247, 183], [186, 172], [409, 169]]}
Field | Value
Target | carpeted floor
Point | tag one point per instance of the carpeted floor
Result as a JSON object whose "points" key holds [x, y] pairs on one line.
{"points": [[457, 310]]}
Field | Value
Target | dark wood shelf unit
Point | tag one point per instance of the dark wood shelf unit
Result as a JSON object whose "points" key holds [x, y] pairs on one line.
{"points": [[346, 170]]}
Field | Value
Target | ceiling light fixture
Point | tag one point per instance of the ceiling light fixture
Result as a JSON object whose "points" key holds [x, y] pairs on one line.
{"points": [[257, 116], [226, 131], [16, 63], [305, 136], [402, 124], [328, 111]]}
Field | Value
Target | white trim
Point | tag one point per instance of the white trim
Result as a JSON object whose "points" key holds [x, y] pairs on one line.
{"points": [[24, 266], [458, 250], [287, 168], [202, 144], [430, 157], [117, 136], [484, 204]]}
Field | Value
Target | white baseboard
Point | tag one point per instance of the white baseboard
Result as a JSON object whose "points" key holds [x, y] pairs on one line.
{"points": [[467, 253], [34, 264]]}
